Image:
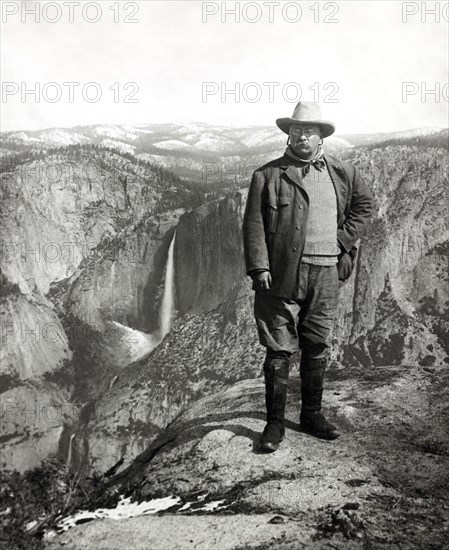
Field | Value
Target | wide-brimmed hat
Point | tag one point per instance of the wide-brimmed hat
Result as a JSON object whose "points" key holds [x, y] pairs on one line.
{"points": [[306, 112]]}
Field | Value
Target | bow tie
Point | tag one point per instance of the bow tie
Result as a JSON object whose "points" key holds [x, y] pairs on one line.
{"points": [[317, 162]]}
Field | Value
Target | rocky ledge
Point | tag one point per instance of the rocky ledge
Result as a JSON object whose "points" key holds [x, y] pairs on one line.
{"points": [[382, 484]]}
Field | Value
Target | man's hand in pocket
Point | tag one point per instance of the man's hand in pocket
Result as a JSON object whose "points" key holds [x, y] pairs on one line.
{"points": [[344, 266]]}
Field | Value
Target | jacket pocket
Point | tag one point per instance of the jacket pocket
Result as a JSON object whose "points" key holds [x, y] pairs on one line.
{"points": [[278, 215], [271, 217]]}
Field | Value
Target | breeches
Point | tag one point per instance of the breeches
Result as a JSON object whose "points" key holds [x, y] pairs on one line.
{"points": [[306, 322]]}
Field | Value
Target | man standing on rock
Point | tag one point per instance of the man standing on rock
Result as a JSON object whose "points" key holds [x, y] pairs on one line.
{"points": [[304, 214]]}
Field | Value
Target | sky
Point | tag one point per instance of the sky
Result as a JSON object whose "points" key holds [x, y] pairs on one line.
{"points": [[374, 66]]}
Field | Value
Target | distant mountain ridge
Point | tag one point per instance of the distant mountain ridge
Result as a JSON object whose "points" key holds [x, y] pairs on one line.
{"points": [[193, 151], [189, 134], [195, 138]]}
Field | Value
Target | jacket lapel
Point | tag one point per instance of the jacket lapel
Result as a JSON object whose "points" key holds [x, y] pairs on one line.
{"points": [[292, 174]]}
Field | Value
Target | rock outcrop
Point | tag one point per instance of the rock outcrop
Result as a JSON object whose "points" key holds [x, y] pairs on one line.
{"points": [[386, 473]]}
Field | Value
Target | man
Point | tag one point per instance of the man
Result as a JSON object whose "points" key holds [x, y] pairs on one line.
{"points": [[304, 214]]}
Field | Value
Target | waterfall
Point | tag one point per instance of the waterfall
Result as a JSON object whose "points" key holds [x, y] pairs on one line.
{"points": [[127, 345], [168, 297], [69, 454]]}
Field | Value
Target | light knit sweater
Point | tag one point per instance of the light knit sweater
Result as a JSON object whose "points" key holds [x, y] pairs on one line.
{"points": [[321, 247]]}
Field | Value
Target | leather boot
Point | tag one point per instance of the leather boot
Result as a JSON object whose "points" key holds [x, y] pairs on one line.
{"points": [[276, 371], [312, 420]]}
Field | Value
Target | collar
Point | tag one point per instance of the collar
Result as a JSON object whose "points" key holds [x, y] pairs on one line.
{"points": [[285, 161], [318, 158], [290, 159]]}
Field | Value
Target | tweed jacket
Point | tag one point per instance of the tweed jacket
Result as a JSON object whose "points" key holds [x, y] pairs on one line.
{"points": [[275, 219]]}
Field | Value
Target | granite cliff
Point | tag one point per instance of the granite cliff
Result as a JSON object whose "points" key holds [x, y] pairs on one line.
{"points": [[61, 211]]}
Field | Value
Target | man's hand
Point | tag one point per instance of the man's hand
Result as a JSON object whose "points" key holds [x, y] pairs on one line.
{"points": [[344, 266], [262, 281]]}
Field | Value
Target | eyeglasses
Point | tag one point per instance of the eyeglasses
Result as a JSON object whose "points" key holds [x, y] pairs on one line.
{"points": [[306, 131]]}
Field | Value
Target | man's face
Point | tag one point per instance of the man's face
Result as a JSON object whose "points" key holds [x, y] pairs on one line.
{"points": [[305, 139]]}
